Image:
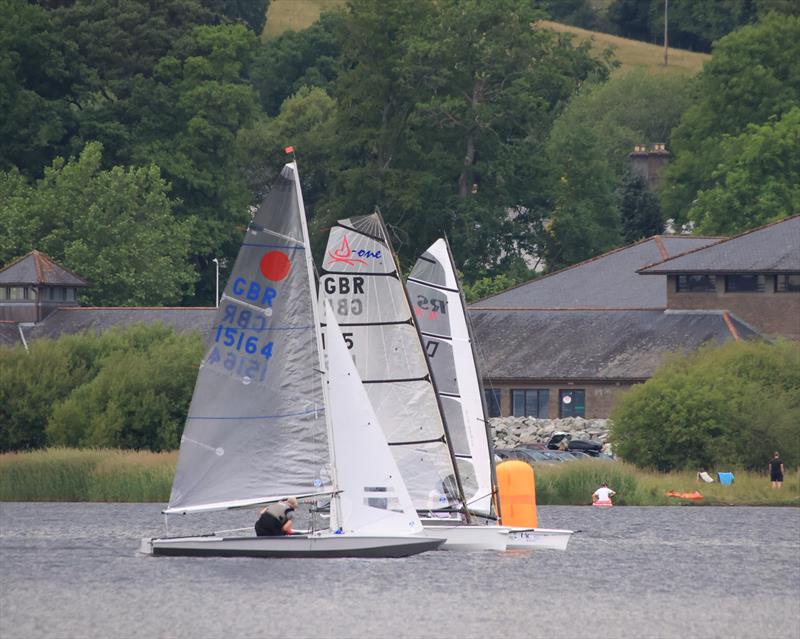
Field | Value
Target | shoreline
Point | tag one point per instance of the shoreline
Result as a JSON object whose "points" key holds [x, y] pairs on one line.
{"points": [[128, 476]]}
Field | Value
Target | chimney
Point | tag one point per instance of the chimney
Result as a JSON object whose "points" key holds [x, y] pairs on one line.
{"points": [[649, 164]]}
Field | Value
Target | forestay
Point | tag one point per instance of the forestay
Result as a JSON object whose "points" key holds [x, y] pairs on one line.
{"points": [[360, 279], [256, 427], [437, 303]]}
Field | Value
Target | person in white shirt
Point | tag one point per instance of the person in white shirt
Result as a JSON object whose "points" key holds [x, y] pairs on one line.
{"points": [[603, 494]]}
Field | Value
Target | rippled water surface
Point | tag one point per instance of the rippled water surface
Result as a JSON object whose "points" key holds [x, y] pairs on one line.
{"points": [[72, 570]]}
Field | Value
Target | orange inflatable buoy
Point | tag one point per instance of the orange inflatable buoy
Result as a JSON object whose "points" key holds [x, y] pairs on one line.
{"points": [[517, 487], [695, 495]]}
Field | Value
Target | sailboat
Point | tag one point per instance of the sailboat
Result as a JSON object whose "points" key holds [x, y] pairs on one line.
{"points": [[360, 277], [438, 304], [269, 418]]}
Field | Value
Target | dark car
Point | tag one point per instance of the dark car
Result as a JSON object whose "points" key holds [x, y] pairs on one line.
{"points": [[585, 446]]}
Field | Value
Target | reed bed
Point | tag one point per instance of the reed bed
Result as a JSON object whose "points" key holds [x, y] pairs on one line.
{"points": [[111, 475], [69, 474]]}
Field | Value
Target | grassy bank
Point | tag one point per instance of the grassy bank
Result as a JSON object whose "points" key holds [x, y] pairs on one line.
{"points": [[573, 484], [66, 474], [296, 15]]}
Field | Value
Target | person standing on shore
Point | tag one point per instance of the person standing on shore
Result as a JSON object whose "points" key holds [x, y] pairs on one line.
{"points": [[776, 470]]}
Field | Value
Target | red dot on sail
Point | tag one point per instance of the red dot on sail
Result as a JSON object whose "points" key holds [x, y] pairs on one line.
{"points": [[275, 265]]}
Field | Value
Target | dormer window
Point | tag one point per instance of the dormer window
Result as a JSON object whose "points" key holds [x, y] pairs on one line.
{"points": [[695, 284], [744, 283]]}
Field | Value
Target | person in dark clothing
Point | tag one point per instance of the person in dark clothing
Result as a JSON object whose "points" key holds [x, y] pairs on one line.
{"points": [[276, 519], [776, 470]]}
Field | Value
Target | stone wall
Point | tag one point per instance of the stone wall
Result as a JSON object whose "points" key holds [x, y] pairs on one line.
{"points": [[512, 431]]}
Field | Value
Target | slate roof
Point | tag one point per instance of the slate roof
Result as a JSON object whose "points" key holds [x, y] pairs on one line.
{"points": [[592, 345], [38, 268], [774, 248], [606, 281], [73, 320]]}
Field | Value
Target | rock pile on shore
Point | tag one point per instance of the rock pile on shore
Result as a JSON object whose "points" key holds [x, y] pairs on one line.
{"points": [[512, 431]]}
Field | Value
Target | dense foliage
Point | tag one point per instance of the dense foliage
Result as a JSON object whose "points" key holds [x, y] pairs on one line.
{"points": [[122, 389], [727, 407], [752, 79], [462, 117]]}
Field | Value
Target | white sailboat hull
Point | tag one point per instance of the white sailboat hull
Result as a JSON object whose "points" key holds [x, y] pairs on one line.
{"points": [[295, 546], [466, 538], [552, 538]]}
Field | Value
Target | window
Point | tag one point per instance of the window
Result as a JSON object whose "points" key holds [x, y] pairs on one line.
{"points": [[529, 402], [744, 283], [787, 283], [492, 401], [572, 403], [695, 283], [15, 292]]}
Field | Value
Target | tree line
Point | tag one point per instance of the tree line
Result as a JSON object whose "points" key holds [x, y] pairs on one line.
{"points": [[136, 136]]}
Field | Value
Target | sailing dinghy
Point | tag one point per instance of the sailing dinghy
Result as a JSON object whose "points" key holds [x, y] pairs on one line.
{"points": [[360, 277], [438, 304], [269, 420]]}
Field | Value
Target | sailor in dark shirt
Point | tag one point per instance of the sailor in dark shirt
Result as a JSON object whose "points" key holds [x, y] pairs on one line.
{"points": [[776, 470], [276, 519]]}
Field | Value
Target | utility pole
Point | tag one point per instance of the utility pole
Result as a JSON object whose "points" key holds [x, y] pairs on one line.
{"points": [[666, 19]]}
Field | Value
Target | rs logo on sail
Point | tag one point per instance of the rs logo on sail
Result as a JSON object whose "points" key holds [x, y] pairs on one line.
{"points": [[346, 255]]}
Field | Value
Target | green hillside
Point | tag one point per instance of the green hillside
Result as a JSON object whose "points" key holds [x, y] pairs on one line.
{"points": [[298, 14]]}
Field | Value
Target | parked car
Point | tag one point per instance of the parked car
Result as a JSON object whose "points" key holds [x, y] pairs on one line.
{"points": [[589, 447]]}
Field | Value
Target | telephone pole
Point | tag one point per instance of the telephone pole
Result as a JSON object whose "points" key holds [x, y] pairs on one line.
{"points": [[666, 19]]}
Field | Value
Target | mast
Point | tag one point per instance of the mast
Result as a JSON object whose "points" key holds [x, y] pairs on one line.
{"points": [[317, 330], [453, 459]]}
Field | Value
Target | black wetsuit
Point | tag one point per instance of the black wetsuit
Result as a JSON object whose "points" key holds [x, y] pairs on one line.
{"points": [[775, 473], [272, 520]]}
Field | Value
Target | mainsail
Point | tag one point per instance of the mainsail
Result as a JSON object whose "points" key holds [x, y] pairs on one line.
{"points": [[360, 279], [438, 305], [256, 429]]}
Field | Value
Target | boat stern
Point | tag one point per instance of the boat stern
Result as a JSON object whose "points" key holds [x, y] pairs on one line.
{"points": [[146, 546]]}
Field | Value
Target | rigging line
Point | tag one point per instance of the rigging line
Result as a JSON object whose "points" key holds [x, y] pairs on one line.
{"points": [[438, 440]]}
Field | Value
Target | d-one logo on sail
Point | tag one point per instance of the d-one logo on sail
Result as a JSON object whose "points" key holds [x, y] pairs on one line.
{"points": [[344, 255]]}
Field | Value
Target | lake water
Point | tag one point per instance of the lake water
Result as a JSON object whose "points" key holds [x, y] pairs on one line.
{"points": [[72, 570]]}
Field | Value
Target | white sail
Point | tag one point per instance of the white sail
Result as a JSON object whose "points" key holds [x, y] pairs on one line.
{"points": [[373, 499], [256, 429], [437, 303], [368, 298]]}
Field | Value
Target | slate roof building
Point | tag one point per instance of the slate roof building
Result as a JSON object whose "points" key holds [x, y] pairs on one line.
{"points": [[39, 299], [755, 275], [568, 343], [34, 286]]}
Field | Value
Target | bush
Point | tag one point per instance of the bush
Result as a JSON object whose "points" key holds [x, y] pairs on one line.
{"points": [[720, 406], [126, 388]]}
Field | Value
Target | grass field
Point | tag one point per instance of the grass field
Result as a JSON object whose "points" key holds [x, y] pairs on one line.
{"points": [[298, 14], [64, 474]]}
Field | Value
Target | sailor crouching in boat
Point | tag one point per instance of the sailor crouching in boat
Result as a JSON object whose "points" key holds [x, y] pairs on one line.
{"points": [[276, 519]]}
